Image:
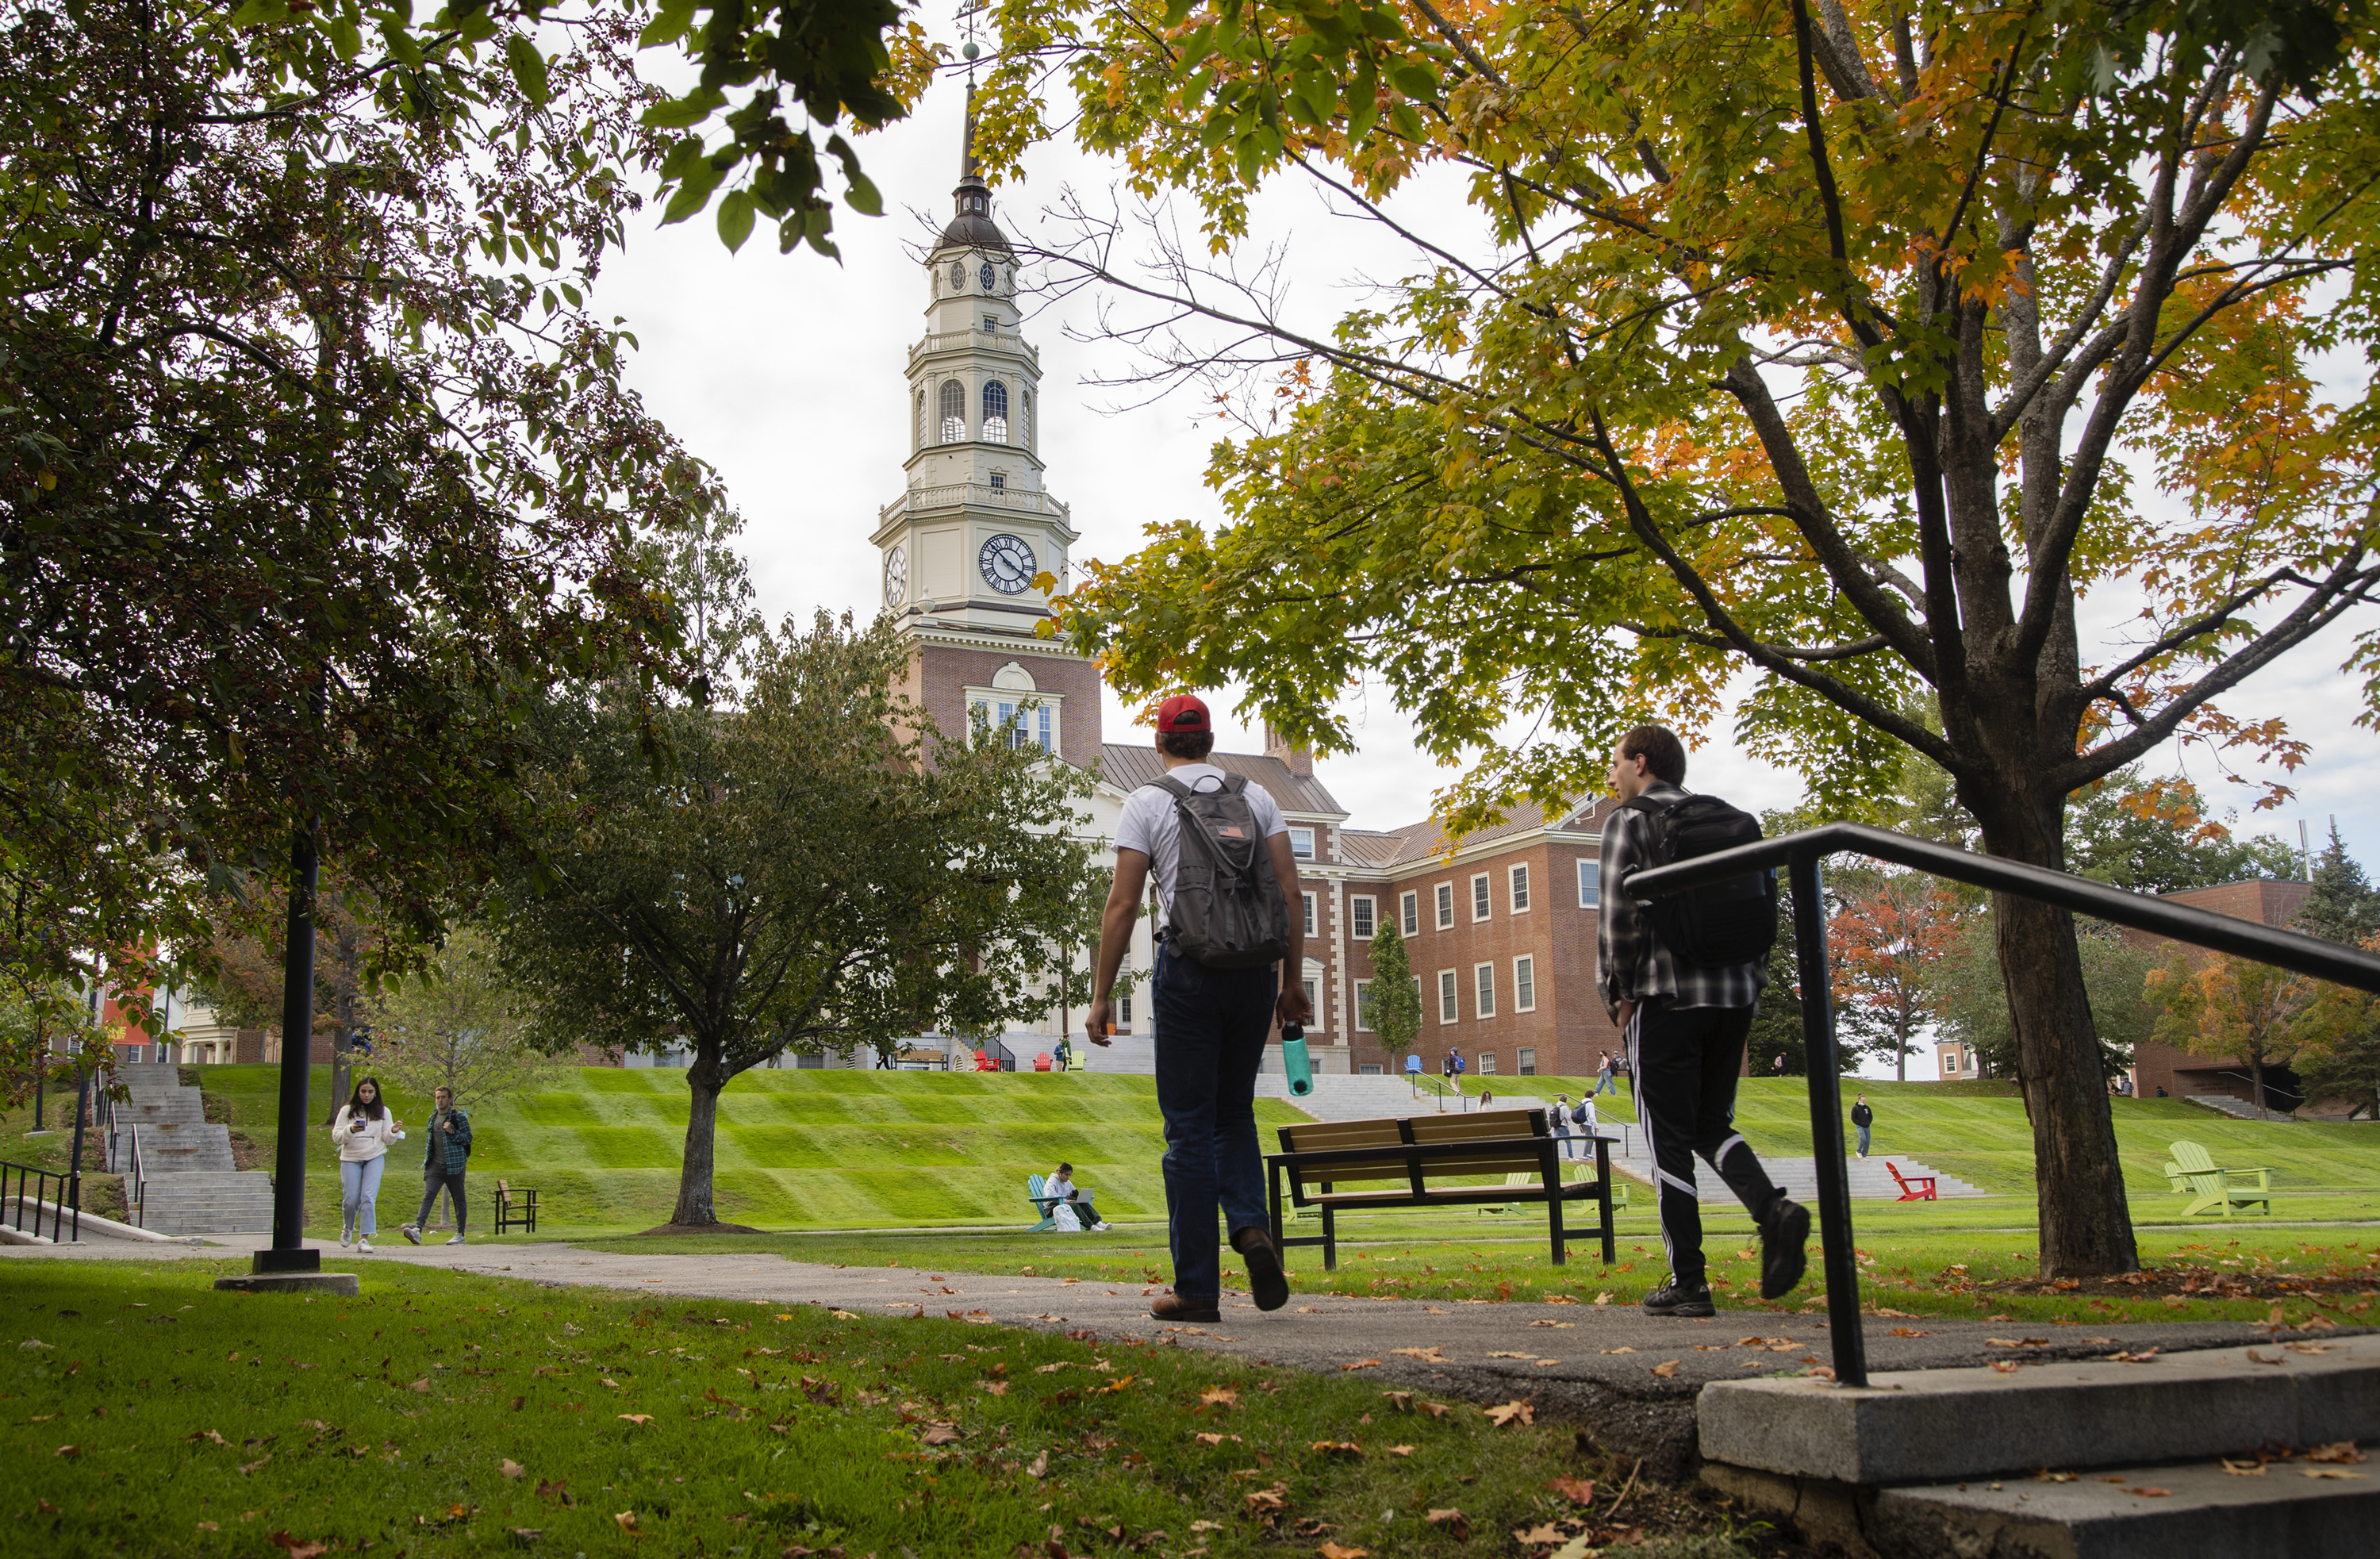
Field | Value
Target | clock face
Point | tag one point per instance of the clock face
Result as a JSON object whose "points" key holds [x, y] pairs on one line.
{"points": [[1007, 564], [896, 576]]}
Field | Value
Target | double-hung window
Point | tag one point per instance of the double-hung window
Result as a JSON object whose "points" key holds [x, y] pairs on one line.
{"points": [[1309, 913], [1361, 917], [1525, 983], [1520, 879], [1590, 883], [1301, 843], [1409, 914], [1446, 907], [1363, 1005], [1479, 905], [1484, 977], [1446, 996]]}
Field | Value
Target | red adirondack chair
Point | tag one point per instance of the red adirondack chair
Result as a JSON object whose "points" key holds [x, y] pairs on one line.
{"points": [[1913, 1187]]}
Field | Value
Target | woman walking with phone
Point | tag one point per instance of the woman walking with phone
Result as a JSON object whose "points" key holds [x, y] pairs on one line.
{"points": [[363, 1129]]}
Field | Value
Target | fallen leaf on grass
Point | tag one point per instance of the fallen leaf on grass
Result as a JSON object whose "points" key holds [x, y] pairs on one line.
{"points": [[1510, 1412], [207, 1434], [1336, 1550], [299, 1549], [1362, 1364], [1205, 1525], [1216, 1439], [1039, 1467], [204, 1526], [1334, 1447], [422, 1385], [1400, 1450], [1263, 1500], [1218, 1396], [1543, 1535], [939, 1434], [510, 1467], [627, 1520], [637, 1418], [1578, 1490], [1454, 1521], [1665, 1370], [525, 1536], [258, 1463]]}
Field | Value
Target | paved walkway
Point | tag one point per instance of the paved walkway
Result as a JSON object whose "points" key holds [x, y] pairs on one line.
{"points": [[1592, 1364]]}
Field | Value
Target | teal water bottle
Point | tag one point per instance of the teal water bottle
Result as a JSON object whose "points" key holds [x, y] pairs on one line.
{"points": [[1295, 1061]]}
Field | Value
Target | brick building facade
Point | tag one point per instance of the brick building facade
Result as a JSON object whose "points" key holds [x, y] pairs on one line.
{"points": [[2162, 1070]]}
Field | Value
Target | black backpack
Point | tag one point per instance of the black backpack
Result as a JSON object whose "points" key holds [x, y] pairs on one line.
{"points": [[1229, 912], [1731, 921]]}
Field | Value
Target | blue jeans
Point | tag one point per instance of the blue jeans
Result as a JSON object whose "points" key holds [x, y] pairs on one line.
{"points": [[1211, 1035], [1605, 1084], [1862, 1147], [359, 1191]]}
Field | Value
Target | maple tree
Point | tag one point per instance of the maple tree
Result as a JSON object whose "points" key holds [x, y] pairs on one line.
{"points": [[1884, 939], [1844, 356], [2232, 1008]]}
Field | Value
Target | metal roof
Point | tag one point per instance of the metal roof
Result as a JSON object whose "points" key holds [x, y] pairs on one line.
{"points": [[1129, 768]]}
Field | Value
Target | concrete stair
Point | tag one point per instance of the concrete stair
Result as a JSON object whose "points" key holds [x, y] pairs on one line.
{"points": [[2237, 1109], [2140, 1456], [191, 1185]]}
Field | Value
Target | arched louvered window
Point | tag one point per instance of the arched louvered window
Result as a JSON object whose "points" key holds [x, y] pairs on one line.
{"points": [[995, 411], [1025, 416], [918, 427], [953, 411]]}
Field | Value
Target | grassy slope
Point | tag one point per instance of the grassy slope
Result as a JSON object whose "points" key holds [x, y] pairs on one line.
{"points": [[797, 1150], [205, 1423], [1978, 1132]]}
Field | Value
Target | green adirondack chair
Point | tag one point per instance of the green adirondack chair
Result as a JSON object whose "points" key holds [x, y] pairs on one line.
{"points": [[2192, 1169], [1042, 1204], [1570, 1171]]}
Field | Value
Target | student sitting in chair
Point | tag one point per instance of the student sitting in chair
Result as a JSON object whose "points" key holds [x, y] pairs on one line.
{"points": [[1062, 1186]]}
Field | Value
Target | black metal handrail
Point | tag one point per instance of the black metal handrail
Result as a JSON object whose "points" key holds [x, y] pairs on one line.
{"points": [[136, 1181], [1800, 855], [33, 1185]]}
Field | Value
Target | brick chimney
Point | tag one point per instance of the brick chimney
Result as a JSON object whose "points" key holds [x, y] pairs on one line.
{"points": [[1300, 762]]}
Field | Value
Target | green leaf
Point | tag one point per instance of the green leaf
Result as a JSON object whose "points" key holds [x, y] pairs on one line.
{"points": [[528, 68], [1418, 82], [693, 192], [684, 113], [736, 219], [668, 25]]}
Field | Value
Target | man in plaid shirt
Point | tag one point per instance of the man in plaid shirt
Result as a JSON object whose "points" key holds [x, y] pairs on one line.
{"points": [[1684, 1026], [443, 1159]]}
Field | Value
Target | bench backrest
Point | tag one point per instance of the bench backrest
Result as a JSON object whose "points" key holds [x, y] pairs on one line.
{"points": [[2191, 1158], [1033, 1184], [1483, 1127], [1894, 1170], [503, 1191]]}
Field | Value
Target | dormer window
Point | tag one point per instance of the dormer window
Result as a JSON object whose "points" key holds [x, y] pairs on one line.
{"points": [[1000, 481]]}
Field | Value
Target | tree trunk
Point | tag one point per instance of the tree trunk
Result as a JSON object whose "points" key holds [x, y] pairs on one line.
{"points": [[703, 1081], [2086, 1228]]}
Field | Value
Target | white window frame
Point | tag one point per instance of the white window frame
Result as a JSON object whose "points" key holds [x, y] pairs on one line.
{"points": [[1590, 883], [1524, 983], [1363, 916], [1298, 833], [1363, 1006], [1516, 887], [1527, 1061], [1486, 1059], [1312, 985], [1442, 900], [1450, 1004], [1308, 898], [1483, 990], [1483, 897], [1409, 912], [1042, 726]]}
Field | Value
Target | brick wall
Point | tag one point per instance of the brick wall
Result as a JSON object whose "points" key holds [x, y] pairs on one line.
{"points": [[940, 674], [2179, 1072]]}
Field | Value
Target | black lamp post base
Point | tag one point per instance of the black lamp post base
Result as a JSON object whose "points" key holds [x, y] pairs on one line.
{"points": [[304, 1260]]}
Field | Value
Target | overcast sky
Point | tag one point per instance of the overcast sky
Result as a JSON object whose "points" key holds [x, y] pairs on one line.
{"points": [[786, 372]]}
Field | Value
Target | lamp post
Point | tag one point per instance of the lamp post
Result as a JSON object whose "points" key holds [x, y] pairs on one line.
{"points": [[288, 1252]]}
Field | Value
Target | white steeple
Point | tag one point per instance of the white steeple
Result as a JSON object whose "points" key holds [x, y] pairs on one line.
{"points": [[962, 545]]}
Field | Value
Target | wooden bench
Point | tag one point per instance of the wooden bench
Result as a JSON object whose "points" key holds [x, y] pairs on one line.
{"points": [[2192, 1169], [1913, 1187], [514, 1209], [1421, 1158]]}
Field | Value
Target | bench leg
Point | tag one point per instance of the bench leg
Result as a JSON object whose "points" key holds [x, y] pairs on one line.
{"points": [[1550, 1170], [1329, 1239], [1603, 1175]]}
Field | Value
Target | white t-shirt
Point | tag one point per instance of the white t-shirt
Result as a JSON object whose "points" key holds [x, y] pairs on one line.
{"points": [[1150, 825]]}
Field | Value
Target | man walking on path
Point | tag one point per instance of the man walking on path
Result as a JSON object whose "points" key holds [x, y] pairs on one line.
{"points": [[1684, 1026], [1603, 1083], [441, 1166], [1862, 1117], [1561, 1124], [1210, 1025]]}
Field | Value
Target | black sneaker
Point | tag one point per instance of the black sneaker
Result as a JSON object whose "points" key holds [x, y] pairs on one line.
{"points": [[1675, 1299], [1783, 1236], [1267, 1284]]}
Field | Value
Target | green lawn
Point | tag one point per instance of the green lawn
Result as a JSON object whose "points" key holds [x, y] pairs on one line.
{"points": [[444, 1414], [1978, 1131], [796, 1148]]}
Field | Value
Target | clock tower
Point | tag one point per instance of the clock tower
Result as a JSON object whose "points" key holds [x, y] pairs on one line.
{"points": [[968, 546]]}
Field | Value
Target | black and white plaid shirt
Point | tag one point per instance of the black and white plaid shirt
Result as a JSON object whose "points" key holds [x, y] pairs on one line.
{"points": [[1631, 965]]}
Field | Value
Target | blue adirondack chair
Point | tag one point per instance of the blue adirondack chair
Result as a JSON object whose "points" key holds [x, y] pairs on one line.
{"points": [[1042, 1204]]}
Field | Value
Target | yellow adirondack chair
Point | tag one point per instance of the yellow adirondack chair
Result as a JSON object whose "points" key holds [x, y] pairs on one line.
{"points": [[1570, 1171], [2192, 1169]]}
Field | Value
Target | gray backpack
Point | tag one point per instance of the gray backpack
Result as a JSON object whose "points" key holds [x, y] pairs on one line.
{"points": [[1229, 912]]}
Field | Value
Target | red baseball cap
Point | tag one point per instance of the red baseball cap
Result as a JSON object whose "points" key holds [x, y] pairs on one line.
{"points": [[1183, 712]]}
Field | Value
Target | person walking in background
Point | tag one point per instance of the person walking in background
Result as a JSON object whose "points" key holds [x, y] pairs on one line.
{"points": [[1862, 1117], [1603, 1083], [1685, 1026], [448, 1151], [1454, 1067], [1223, 841], [1562, 1126], [1777, 1067], [363, 1128]]}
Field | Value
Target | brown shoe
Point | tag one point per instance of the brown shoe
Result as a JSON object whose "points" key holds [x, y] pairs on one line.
{"points": [[1173, 1307], [1268, 1283]]}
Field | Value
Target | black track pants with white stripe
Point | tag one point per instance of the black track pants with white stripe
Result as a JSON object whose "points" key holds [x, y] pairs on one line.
{"points": [[1686, 1060]]}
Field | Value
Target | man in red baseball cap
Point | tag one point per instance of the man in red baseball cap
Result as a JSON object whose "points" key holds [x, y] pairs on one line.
{"points": [[1219, 849]]}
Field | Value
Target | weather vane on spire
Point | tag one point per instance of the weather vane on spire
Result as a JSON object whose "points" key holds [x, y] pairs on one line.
{"points": [[969, 11]]}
